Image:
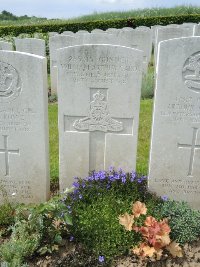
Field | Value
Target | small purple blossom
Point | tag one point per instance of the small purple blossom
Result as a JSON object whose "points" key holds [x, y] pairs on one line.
{"points": [[133, 176], [80, 196], [101, 259], [71, 238], [164, 198], [76, 184], [123, 179]]}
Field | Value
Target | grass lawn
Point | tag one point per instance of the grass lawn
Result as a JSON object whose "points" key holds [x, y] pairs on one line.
{"points": [[143, 138]]}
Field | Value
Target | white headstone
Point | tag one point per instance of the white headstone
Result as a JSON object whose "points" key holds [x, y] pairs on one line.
{"points": [[166, 33], [99, 98], [57, 42], [51, 34], [68, 33], [97, 31], [138, 39], [24, 160], [197, 30], [174, 168], [31, 45], [6, 46]]}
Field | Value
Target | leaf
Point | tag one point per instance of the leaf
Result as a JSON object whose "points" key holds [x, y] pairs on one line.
{"points": [[148, 251], [127, 221], [68, 219], [149, 221], [158, 254], [138, 209], [175, 249]]}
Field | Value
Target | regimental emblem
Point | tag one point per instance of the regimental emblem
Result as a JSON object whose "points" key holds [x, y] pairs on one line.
{"points": [[10, 83], [99, 118], [191, 72]]}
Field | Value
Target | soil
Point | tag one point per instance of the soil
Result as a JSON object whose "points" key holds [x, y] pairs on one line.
{"points": [[73, 255]]}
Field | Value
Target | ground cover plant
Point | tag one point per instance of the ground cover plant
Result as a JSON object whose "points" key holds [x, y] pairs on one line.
{"points": [[107, 214]]}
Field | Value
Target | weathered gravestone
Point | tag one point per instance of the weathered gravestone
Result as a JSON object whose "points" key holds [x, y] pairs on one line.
{"points": [[138, 39], [197, 30], [24, 166], [170, 32], [31, 45], [99, 97], [175, 147], [57, 42], [6, 46]]}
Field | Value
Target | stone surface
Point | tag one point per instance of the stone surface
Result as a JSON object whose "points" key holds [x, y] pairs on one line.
{"points": [[24, 163], [138, 39], [97, 31], [57, 42], [68, 33], [31, 45], [174, 168], [99, 97], [6, 46], [197, 30], [166, 33]]}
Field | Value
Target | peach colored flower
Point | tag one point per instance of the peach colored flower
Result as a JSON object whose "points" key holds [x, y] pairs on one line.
{"points": [[138, 209], [127, 221]]}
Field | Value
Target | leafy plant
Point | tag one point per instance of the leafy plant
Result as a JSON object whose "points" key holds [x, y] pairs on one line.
{"points": [[95, 205], [184, 221], [37, 228]]}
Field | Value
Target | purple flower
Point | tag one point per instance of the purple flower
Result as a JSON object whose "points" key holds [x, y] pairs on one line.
{"points": [[164, 198], [133, 176], [80, 196], [71, 238], [111, 169], [101, 258], [123, 179], [76, 184]]}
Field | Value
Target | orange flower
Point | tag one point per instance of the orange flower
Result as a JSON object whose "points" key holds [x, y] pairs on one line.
{"points": [[127, 221], [149, 221], [175, 249], [138, 209]]}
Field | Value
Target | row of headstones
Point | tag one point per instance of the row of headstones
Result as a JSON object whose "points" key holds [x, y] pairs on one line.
{"points": [[99, 100]]}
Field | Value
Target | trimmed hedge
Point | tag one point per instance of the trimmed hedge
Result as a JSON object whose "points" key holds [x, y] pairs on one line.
{"points": [[115, 23]]}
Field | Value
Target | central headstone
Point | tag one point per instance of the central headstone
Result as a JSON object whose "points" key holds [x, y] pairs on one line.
{"points": [[99, 98], [175, 147]]}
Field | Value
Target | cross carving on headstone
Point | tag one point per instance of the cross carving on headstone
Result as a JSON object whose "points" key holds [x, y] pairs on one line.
{"points": [[7, 151], [193, 146], [98, 123]]}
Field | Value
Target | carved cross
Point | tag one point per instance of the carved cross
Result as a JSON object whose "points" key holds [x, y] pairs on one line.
{"points": [[7, 151], [193, 146], [98, 123]]}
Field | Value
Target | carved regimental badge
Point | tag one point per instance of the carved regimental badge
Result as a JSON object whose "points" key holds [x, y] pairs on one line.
{"points": [[99, 118], [191, 72], [10, 83]]}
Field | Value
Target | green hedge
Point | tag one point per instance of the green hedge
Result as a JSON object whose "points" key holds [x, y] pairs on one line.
{"points": [[115, 23]]}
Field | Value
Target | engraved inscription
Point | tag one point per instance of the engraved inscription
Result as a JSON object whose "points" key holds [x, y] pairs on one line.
{"points": [[193, 146], [10, 83], [7, 151], [99, 118], [191, 72], [106, 69]]}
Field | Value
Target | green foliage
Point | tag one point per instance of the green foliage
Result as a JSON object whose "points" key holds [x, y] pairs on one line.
{"points": [[96, 207], [183, 220], [148, 83], [25, 239], [37, 229], [7, 213], [100, 24]]}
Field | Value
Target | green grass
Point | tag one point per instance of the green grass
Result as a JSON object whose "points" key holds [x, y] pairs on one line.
{"points": [[143, 141], [147, 12]]}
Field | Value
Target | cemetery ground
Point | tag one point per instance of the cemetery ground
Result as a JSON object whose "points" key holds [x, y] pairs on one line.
{"points": [[83, 227]]}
